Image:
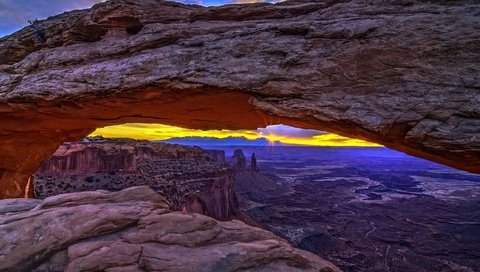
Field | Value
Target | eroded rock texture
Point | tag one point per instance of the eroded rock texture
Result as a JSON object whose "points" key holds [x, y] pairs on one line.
{"points": [[403, 73], [190, 178], [134, 230]]}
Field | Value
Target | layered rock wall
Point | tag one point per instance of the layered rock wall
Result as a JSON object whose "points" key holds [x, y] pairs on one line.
{"points": [[192, 179], [217, 156], [114, 155]]}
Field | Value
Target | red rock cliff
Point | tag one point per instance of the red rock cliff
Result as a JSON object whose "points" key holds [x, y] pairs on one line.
{"points": [[192, 179]]}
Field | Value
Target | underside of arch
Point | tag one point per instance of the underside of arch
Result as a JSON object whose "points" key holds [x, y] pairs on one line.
{"points": [[405, 76]]}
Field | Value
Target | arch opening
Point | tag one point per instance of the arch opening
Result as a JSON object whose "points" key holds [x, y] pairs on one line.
{"points": [[188, 166], [328, 200], [357, 81], [48, 123]]}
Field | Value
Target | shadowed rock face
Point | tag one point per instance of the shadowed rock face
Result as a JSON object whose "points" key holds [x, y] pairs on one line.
{"points": [[405, 74], [239, 161], [134, 230]]}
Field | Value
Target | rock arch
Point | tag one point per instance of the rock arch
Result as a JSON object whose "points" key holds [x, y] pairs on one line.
{"points": [[405, 74]]}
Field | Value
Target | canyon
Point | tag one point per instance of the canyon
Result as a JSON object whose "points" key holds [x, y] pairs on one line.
{"points": [[367, 209], [402, 73], [190, 178], [364, 209], [147, 204]]}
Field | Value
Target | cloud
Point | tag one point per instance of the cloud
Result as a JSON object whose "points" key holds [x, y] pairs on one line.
{"points": [[280, 133], [288, 131]]}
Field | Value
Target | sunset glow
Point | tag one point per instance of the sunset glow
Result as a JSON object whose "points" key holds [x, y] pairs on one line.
{"points": [[278, 133]]}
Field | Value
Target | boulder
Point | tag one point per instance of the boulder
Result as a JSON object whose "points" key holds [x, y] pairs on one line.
{"points": [[134, 230]]}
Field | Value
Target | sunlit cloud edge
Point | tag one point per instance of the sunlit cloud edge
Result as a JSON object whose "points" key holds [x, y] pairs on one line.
{"points": [[165, 132]]}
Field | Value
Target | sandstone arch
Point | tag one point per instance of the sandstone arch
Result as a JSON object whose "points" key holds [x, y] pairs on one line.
{"points": [[405, 74]]}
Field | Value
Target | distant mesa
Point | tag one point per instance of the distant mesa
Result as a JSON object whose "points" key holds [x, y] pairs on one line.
{"points": [[102, 139], [190, 178], [96, 138], [228, 141]]}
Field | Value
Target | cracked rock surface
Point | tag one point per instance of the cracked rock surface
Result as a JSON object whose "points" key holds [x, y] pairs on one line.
{"points": [[134, 230], [402, 73]]}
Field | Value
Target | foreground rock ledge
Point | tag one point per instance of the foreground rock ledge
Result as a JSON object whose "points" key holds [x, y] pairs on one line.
{"points": [[134, 230], [402, 73]]}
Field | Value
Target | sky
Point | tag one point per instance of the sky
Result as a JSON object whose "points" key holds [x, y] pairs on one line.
{"points": [[14, 15], [281, 133]]}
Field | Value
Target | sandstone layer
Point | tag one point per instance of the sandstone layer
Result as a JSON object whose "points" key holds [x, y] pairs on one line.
{"points": [[402, 73], [134, 230], [190, 178]]}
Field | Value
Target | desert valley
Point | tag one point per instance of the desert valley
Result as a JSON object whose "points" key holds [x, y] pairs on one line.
{"points": [[362, 208]]}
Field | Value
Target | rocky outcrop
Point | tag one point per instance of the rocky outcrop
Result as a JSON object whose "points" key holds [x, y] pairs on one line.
{"points": [[404, 74], [124, 155], [239, 161], [253, 163], [134, 230], [217, 156], [192, 179]]}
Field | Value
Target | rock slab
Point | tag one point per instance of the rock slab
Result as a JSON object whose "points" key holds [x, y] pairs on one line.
{"points": [[134, 230]]}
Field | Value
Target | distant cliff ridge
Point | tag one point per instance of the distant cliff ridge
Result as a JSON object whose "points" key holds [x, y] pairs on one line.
{"points": [[228, 141], [192, 179], [98, 154], [217, 156]]}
